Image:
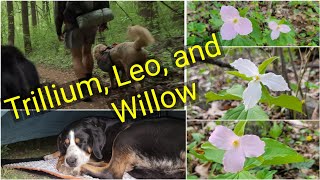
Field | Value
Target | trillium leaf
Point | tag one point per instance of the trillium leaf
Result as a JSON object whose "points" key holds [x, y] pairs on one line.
{"points": [[275, 131], [212, 153], [226, 176], [284, 100], [239, 113], [245, 175], [256, 34], [234, 93], [263, 66], [243, 40], [242, 76], [239, 128], [211, 96], [277, 153], [236, 90], [265, 174], [252, 163], [239, 175]]}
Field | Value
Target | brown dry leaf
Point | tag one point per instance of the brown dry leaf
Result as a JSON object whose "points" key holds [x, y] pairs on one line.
{"points": [[203, 170], [214, 112]]}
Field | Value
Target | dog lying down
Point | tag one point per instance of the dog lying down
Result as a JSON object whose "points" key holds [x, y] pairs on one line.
{"points": [[106, 148], [124, 55]]}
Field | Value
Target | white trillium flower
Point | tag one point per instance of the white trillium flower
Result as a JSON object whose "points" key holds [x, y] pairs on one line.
{"points": [[253, 92]]}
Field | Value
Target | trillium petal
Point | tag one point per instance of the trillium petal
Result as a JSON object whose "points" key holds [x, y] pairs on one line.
{"points": [[223, 138], [273, 25], [233, 160], [284, 28], [252, 146], [274, 82], [275, 34], [228, 13], [246, 67], [243, 26], [252, 94], [227, 31]]}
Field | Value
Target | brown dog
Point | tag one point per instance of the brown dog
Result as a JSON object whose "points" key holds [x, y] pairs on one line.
{"points": [[124, 55]]}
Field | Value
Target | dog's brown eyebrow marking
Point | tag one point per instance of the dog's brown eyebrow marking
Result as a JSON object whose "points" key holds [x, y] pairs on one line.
{"points": [[67, 141], [77, 140], [89, 150]]}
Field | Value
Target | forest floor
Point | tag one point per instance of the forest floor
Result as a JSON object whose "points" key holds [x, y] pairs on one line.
{"points": [[212, 78], [302, 136]]}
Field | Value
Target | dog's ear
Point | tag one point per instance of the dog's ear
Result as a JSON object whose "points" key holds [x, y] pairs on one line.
{"points": [[99, 141], [61, 146]]}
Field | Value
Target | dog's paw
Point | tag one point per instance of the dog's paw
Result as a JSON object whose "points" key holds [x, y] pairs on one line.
{"points": [[65, 170], [48, 157], [76, 172]]}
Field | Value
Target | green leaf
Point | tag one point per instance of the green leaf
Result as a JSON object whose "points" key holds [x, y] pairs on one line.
{"points": [[277, 153], [236, 90], [245, 175], [211, 96], [226, 176], [197, 137], [212, 153], [239, 175], [234, 93], [239, 113], [265, 174], [252, 163], [263, 66], [192, 177], [275, 131], [242, 76], [256, 34], [284, 100], [242, 40], [239, 128], [243, 11]]}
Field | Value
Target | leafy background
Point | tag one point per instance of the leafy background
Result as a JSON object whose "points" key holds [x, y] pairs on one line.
{"points": [[301, 136], [302, 17], [303, 78]]}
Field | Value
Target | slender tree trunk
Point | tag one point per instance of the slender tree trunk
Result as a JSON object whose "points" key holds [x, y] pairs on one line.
{"points": [[25, 27], [10, 23], [149, 11], [33, 13]]}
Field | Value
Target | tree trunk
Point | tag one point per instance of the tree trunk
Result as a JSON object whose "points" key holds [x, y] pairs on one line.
{"points": [[10, 23], [33, 13], [149, 11], [46, 10], [25, 27]]}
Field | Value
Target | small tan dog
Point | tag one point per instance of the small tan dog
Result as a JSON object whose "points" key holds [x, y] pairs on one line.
{"points": [[124, 55]]}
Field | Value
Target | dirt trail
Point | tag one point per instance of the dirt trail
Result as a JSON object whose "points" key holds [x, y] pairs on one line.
{"points": [[50, 75]]}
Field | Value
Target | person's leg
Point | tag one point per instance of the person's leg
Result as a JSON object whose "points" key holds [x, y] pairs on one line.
{"points": [[78, 66], [87, 59]]}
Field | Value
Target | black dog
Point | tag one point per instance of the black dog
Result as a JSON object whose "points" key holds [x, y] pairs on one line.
{"points": [[106, 148], [18, 76]]}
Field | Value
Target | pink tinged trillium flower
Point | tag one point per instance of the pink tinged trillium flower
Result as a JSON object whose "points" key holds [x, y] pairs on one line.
{"points": [[277, 28], [233, 23], [252, 94], [237, 148]]}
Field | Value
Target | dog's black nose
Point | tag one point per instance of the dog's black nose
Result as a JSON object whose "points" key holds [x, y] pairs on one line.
{"points": [[71, 161]]}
